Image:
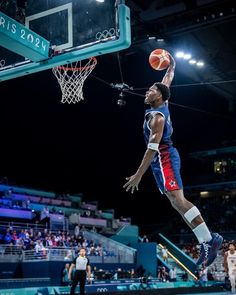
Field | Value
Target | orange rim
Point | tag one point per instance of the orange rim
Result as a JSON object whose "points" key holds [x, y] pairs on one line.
{"points": [[80, 68]]}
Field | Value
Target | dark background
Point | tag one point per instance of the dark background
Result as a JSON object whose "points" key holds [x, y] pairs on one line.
{"points": [[91, 147]]}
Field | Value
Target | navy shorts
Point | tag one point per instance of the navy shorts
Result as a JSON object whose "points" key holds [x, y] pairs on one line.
{"points": [[166, 169]]}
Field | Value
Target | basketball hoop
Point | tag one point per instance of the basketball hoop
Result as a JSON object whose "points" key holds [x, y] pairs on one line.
{"points": [[71, 78]]}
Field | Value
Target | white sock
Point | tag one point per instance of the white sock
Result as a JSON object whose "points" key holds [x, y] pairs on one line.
{"points": [[202, 233]]}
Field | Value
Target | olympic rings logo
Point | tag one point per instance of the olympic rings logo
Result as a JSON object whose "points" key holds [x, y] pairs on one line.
{"points": [[102, 290], [105, 34], [2, 63]]}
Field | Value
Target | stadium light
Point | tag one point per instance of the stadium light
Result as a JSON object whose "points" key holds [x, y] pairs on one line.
{"points": [[187, 56], [180, 54], [192, 61], [200, 63], [204, 193], [100, 1]]}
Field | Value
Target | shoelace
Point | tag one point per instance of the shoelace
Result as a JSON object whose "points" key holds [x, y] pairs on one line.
{"points": [[206, 247]]}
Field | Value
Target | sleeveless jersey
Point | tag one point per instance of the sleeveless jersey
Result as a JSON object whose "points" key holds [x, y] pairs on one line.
{"points": [[167, 131], [231, 261]]}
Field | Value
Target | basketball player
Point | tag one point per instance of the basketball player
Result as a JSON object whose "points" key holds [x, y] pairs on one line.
{"points": [[165, 163], [82, 267], [230, 265]]}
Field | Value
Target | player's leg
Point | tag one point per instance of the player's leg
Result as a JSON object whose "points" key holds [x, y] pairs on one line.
{"points": [[232, 279], [167, 174], [190, 214], [74, 283], [173, 187], [210, 243]]}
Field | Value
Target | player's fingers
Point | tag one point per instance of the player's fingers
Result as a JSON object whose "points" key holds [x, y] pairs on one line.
{"points": [[126, 184], [128, 187]]}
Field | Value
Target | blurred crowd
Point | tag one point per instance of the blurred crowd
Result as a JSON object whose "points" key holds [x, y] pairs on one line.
{"points": [[30, 239]]}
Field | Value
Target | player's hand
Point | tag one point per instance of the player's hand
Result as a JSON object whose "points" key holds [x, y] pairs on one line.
{"points": [[172, 60], [132, 183], [69, 278]]}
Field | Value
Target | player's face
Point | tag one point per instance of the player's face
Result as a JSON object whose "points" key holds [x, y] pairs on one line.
{"points": [[152, 94], [231, 247]]}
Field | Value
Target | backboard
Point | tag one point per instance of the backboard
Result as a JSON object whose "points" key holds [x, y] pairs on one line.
{"points": [[74, 29]]}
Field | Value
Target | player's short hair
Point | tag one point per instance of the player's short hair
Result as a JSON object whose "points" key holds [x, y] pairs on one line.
{"points": [[231, 243], [165, 91]]}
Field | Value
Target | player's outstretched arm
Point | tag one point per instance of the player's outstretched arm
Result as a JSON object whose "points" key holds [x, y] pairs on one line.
{"points": [[169, 75], [157, 126]]}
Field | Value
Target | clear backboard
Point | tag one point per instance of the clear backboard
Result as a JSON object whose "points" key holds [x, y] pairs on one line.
{"points": [[67, 31]]}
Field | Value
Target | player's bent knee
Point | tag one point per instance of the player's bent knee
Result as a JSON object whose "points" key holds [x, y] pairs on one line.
{"points": [[176, 199]]}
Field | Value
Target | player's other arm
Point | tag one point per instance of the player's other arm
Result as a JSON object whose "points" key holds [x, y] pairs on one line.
{"points": [[169, 75], [157, 126], [225, 263]]}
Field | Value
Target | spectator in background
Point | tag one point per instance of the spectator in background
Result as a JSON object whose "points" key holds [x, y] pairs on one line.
{"points": [[145, 239], [185, 276], [8, 237], [22, 234], [65, 272], [163, 274], [140, 271], [39, 246], [164, 252], [68, 256], [203, 276], [77, 231], [83, 229], [172, 274], [132, 273], [94, 230]]}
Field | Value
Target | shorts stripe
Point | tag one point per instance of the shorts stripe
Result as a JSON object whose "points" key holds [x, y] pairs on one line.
{"points": [[166, 170]]}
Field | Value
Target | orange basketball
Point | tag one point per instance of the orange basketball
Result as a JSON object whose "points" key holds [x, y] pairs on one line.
{"points": [[159, 59]]}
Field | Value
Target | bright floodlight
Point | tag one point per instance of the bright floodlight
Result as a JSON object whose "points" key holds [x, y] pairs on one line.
{"points": [[192, 61], [200, 63], [180, 54], [100, 1], [187, 56]]}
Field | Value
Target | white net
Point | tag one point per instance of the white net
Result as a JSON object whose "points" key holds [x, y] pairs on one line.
{"points": [[71, 78]]}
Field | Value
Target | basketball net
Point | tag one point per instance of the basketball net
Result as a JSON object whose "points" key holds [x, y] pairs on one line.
{"points": [[71, 78]]}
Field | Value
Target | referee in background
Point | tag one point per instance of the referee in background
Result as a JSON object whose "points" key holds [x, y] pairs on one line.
{"points": [[82, 268]]}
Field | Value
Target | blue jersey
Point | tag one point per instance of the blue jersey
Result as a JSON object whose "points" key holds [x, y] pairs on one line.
{"points": [[166, 163], [167, 131]]}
